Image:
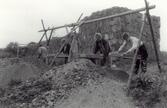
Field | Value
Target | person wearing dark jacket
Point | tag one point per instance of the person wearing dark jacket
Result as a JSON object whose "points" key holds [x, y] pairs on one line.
{"points": [[102, 46], [66, 49]]}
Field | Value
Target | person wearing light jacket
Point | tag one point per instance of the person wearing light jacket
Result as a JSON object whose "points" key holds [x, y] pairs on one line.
{"points": [[141, 54]]}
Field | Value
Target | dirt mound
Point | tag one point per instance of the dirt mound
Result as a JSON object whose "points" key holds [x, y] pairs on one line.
{"points": [[107, 94], [59, 86], [16, 71], [116, 74], [63, 80], [43, 67]]}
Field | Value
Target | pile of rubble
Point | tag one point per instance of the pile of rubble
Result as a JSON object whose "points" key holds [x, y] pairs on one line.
{"points": [[53, 86], [146, 89]]}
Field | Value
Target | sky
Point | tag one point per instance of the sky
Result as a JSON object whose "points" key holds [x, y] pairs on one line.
{"points": [[20, 20]]}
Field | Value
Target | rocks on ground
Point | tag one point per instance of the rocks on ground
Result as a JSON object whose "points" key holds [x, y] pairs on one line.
{"points": [[65, 82], [55, 85]]}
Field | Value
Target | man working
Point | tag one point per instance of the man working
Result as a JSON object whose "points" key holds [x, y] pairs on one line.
{"points": [[42, 53], [142, 52], [102, 46], [66, 49]]}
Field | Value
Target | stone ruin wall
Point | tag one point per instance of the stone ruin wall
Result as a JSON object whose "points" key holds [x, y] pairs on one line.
{"points": [[114, 27]]}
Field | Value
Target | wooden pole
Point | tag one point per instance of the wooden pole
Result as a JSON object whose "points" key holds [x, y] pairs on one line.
{"points": [[39, 43], [80, 17], [44, 30], [67, 30], [135, 56], [57, 55], [44, 34], [50, 37], [153, 37], [66, 25], [103, 18], [72, 30], [41, 38]]}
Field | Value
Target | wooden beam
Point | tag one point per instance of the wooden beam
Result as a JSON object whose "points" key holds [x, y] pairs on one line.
{"points": [[55, 56], [67, 25], [72, 30], [80, 17], [44, 30], [67, 30], [135, 57], [152, 34], [119, 15], [50, 37], [38, 43], [41, 38], [94, 56], [103, 18]]}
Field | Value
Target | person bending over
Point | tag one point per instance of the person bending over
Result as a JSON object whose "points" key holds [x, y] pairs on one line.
{"points": [[42, 53], [102, 46], [142, 54]]}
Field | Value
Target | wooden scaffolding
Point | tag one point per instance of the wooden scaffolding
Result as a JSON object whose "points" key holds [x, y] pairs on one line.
{"points": [[80, 23]]}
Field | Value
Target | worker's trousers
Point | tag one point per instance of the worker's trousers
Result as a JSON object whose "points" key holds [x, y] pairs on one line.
{"points": [[105, 60], [142, 62]]}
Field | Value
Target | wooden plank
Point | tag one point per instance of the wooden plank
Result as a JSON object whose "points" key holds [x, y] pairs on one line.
{"points": [[103, 18], [93, 56], [80, 56]]}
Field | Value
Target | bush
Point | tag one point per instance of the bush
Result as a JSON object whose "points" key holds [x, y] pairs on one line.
{"points": [[31, 48], [12, 48], [146, 89], [4, 54]]}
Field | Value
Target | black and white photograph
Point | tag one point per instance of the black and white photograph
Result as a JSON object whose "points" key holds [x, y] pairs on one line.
{"points": [[83, 54]]}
